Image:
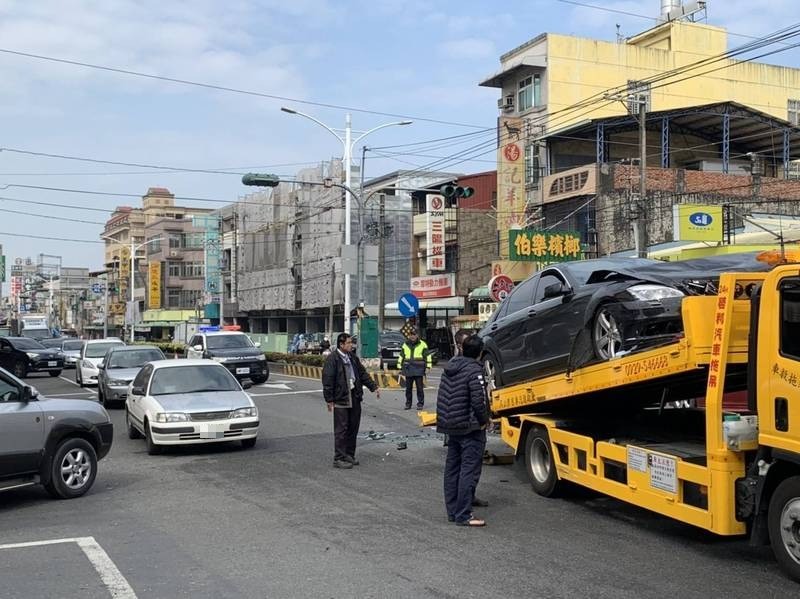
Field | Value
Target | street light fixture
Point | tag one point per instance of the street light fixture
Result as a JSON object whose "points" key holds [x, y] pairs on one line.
{"points": [[133, 248], [348, 145]]}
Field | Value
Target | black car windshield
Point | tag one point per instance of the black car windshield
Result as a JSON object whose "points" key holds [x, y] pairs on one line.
{"points": [[389, 338], [192, 379], [134, 358], [228, 341], [27, 344], [72, 345], [98, 350], [51, 342]]}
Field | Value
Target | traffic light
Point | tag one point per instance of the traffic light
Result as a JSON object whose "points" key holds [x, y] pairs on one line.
{"points": [[261, 180], [456, 192]]}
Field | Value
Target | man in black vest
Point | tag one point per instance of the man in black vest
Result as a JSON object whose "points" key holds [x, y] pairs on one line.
{"points": [[343, 381]]}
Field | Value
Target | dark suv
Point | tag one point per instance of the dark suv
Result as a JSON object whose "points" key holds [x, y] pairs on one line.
{"points": [[52, 442], [391, 344], [23, 355]]}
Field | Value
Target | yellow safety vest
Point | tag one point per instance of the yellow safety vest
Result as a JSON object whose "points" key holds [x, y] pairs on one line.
{"points": [[417, 354]]}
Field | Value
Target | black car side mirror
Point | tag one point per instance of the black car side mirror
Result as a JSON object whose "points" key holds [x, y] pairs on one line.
{"points": [[555, 290], [29, 393]]}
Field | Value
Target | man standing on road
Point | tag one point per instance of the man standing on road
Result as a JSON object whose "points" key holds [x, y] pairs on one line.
{"points": [[414, 362], [343, 380], [461, 413]]}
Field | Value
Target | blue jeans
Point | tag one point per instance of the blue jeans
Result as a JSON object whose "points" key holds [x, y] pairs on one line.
{"points": [[462, 469]]}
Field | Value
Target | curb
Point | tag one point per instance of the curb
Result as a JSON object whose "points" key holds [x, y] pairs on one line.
{"points": [[385, 380]]}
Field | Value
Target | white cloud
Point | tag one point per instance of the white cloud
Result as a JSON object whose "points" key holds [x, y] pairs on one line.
{"points": [[468, 48]]}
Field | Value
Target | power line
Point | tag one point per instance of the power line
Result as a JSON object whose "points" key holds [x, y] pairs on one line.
{"points": [[229, 89]]}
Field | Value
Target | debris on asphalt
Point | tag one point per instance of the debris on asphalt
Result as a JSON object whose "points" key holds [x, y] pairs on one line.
{"points": [[402, 445]]}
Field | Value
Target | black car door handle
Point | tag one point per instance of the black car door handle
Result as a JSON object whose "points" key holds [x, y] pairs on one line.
{"points": [[531, 312]]}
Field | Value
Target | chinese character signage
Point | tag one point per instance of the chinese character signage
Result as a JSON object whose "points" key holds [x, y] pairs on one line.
{"points": [[434, 286], [510, 180], [154, 285], [544, 246], [694, 222], [435, 211]]}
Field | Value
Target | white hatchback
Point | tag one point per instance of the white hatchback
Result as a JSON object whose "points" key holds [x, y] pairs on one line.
{"points": [[181, 402], [92, 353]]}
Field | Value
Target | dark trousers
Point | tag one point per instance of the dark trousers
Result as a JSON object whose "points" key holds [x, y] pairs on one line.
{"points": [[462, 469], [345, 430], [410, 380]]}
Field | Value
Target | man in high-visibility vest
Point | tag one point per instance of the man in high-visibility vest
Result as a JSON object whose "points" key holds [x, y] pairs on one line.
{"points": [[414, 362]]}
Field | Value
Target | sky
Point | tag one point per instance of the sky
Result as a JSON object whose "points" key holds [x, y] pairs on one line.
{"points": [[414, 59]]}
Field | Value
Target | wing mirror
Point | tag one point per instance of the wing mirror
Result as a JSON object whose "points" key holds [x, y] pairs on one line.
{"points": [[29, 393], [197, 347], [101, 365], [556, 290], [137, 390], [258, 344]]}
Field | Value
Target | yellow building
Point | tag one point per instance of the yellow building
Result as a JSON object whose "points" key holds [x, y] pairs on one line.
{"points": [[554, 82]]}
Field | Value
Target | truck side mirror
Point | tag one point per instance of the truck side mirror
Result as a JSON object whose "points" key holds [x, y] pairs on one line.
{"points": [[197, 347]]}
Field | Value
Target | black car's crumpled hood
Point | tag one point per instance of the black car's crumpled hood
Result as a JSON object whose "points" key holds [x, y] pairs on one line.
{"points": [[693, 277]]}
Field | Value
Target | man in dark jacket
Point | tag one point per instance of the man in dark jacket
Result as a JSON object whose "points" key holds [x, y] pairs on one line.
{"points": [[343, 380], [462, 414]]}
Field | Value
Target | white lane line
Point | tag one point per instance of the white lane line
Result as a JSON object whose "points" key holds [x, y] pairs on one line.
{"points": [[71, 382], [115, 582], [284, 393]]}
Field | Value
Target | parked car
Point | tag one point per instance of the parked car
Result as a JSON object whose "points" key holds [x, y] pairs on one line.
{"points": [[23, 356], [92, 353], [71, 350], [119, 367], [52, 442], [577, 312], [233, 350], [180, 402], [53, 342], [390, 345]]}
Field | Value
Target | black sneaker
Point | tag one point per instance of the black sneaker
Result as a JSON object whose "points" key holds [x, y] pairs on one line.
{"points": [[420, 406], [345, 465], [352, 460], [408, 406], [480, 503]]}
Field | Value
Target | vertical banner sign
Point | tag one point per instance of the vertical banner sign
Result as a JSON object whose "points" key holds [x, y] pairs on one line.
{"points": [[124, 271], [154, 285], [510, 180], [213, 261], [435, 211]]}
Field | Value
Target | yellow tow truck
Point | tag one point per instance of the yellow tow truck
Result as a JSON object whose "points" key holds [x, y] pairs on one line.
{"points": [[652, 428]]}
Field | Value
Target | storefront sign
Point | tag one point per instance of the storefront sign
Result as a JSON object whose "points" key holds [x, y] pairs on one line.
{"points": [[154, 284], [695, 222], [544, 246], [499, 287], [435, 212], [510, 179], [485, 310], [434, 286]]}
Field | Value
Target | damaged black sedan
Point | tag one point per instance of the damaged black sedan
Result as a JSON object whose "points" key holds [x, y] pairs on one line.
{"points": [[574, 313]]}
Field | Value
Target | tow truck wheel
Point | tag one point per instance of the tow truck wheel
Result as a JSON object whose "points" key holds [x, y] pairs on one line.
{"points": [[784, 526], [490, 373], [539, 463], [606, 334]]}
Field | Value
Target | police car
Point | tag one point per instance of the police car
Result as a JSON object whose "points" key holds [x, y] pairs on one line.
{"points": [[231, 348]]}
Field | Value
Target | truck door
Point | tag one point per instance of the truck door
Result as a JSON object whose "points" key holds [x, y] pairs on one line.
{"points": [[21, 431], [779, 371]]}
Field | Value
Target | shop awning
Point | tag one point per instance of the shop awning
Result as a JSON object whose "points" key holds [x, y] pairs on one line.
{"points": [[479, 294]]}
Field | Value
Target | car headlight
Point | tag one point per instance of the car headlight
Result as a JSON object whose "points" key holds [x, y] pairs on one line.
{"points": [[118, 383], [32, 356], [89, 365], [218, 359], [261, 357], [653, 292], [245, 413], [171, 417]]}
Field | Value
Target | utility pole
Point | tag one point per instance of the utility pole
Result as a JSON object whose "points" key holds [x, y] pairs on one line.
{"points": [[381, 261], [221, 273], [641, 212], [332, 300], [105, 307]]}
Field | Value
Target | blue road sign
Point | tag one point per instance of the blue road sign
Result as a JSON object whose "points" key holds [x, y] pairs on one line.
{"points": [[97, 288], [408, 304]]}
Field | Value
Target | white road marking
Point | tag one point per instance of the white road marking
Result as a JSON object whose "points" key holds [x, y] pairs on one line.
{"points": [[285, 393], [87, 392], [115, 582], [277, 385]]}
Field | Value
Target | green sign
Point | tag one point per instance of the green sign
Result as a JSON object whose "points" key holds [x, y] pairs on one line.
{"points": [[544, 246]]}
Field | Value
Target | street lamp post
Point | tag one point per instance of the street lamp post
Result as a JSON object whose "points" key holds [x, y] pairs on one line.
{"points": [[134, 248], [348, 144]]}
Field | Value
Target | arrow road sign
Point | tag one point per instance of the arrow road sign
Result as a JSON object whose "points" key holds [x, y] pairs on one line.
{"points": [[408, 304]]}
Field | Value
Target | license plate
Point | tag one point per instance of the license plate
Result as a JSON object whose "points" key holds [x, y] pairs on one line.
{"points": [[211, 431], [395, 354], [242, 371], [52, 363]]}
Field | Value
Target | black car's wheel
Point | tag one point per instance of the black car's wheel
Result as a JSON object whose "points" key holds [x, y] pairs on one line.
{"points": [[539, 463], [72, 470], [248, 443], [606, 333], [20, 369], [55, 373], [152, 448], [491, 373], [257, 380], [784, 526], [133, 432]]}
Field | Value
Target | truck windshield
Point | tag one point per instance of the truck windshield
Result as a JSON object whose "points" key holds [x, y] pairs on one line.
{"points": [[228, 341], [192, 379]]}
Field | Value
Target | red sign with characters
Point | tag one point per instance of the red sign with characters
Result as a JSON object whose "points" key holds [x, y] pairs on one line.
{"points": [[499, 287], [433, 286], [512, 152]]}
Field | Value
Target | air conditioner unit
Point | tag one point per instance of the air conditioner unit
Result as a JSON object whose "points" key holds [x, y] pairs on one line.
{"points": [[506, 103]]}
